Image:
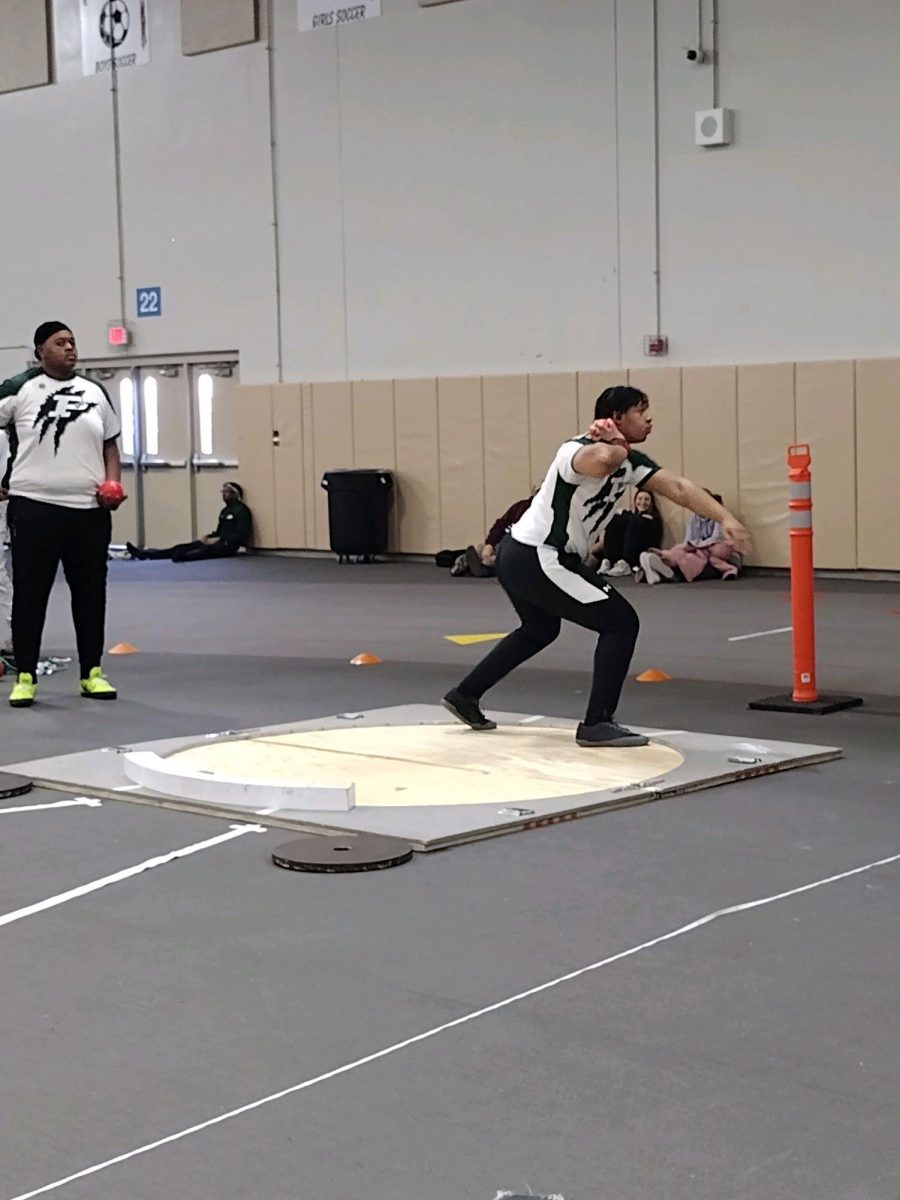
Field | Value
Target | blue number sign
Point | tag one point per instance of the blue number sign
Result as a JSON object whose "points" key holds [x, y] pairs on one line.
{"points": [[149, 302]]}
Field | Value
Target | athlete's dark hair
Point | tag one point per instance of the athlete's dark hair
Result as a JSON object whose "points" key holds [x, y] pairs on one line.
{"points": [[618, 400]]}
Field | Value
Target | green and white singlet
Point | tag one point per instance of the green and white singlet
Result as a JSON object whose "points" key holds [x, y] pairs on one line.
{"points": [[570, 509]]}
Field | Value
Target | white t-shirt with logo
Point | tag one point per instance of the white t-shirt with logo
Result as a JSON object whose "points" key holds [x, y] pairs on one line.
{"points": [[57, 428]]}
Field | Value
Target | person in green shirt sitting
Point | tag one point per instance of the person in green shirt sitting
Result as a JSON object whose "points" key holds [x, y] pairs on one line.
{"points": [[232, 532]]}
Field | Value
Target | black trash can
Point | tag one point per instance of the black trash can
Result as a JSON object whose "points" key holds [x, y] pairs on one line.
{"points": [[358, 505]]}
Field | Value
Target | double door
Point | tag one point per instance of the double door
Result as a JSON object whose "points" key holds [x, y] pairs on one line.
{"points": [[178, 446]]}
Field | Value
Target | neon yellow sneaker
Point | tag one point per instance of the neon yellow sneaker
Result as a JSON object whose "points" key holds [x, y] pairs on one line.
{"points": [[97, 686], [23, 693]]}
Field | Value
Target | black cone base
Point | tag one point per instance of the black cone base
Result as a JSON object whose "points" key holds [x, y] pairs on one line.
{"points": [[343, 854], [824, 704], [13, 785]]}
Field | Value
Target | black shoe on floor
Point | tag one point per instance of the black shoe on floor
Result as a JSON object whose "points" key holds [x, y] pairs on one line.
{"points": [[467, 710], [134, 551], [608, 733], [474, 563]]}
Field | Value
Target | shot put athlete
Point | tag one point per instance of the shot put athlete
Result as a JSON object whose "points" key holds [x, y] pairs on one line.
{"points": [[540, 563], [63, 483]]}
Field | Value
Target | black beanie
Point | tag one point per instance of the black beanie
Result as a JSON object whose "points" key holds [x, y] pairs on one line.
{"points": [[237, 487], [47, 330]]}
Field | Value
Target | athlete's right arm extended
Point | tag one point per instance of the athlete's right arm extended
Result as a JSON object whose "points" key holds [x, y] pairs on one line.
{"points": [[599, 459]]}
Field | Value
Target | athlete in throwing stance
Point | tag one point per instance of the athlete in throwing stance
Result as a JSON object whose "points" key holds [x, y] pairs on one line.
{"points": [[540, 563]]}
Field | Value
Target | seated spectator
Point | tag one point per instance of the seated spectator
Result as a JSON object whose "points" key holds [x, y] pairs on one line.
{"points": [[628, 535], [479, 560], [231, 534], [704, 554]]}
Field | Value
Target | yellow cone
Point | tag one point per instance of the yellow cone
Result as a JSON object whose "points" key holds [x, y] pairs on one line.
{"points": [[653, 676], [123, 648], [365, 660]]}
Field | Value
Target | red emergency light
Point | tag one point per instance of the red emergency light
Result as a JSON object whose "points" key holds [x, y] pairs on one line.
{"points": [[118, 335]]}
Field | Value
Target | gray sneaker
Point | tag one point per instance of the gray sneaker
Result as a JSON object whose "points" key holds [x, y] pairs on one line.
{"points": [[608, 733]]}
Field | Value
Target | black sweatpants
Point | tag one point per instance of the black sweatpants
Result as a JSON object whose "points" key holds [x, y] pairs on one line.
{"points": [[627, 536], [194, 551], [547, 588], [42, 537]]}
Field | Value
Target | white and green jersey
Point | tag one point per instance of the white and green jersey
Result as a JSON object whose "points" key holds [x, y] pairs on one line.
{"points": [[56, 428], [570, 509]]}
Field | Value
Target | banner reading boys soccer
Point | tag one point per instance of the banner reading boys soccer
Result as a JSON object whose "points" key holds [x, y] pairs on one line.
{"points": [[113, 28]]}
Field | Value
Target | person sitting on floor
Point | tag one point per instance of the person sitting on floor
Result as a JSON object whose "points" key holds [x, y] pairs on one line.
{"points": [[628, 535], [231, 534], [704, 554], [479, 560]]}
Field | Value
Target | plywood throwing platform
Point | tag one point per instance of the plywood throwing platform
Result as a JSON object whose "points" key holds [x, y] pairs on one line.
{"points": [[414, 773]]}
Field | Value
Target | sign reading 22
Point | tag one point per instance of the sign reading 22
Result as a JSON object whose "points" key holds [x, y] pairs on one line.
{"points": [[149, 302]]}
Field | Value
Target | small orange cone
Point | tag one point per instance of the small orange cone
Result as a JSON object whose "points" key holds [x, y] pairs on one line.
{"points": [[365, 660], [123, 648], [653, 676]]}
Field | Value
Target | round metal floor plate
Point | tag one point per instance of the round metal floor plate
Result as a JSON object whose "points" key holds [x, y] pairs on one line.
{"points": [[342, 854], [13, 785]]}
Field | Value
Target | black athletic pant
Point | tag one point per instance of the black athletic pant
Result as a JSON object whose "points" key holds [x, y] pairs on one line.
{"points": [[627, 536], [194, 551], [42, 537], [547, 588]]}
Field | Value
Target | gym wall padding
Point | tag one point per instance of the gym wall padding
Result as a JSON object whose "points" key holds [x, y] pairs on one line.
{"points": [[332, 422], [709, 429], [877, 479], [463, 449], [255, 424], [507, 445], [461, 460], [765, 405], [290, 500], [552, 417], [825, 403], [373, 434], [418, 497]]}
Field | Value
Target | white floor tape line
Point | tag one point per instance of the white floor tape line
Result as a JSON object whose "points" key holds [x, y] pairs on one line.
{"points": [[81, 802], [235, 831], [745, 637], [438, 1029]]}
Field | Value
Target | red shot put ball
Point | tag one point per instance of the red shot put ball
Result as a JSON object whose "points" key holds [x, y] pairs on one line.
{"points": [[110, 490]]}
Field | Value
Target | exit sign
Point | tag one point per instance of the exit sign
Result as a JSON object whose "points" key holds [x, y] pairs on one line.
{"points": [[118, 335]]}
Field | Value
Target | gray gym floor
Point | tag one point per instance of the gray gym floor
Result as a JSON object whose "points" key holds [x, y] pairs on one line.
{"points": [[753, 1057]]}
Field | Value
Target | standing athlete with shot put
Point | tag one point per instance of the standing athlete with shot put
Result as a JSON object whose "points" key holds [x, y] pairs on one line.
{"points": [[63, 482]]}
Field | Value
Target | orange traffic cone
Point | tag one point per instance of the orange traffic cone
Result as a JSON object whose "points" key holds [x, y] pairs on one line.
{"points": [[123, 648], [653, 676], [365, 660]]}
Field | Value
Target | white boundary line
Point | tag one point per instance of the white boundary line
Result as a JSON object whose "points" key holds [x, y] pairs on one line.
{"points": [[81, 802], [745, 637], [19, 914], [430, 1033]]}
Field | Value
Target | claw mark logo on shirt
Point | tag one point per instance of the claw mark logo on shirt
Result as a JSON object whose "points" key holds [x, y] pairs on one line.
{"points": [[61, 408], [605, 500]]}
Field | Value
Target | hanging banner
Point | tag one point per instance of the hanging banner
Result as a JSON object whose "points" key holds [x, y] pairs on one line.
{"points": [[113, 28], [321, 14]]}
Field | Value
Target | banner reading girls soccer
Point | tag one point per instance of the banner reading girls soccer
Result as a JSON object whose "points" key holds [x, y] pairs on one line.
{"points": [[326, 14], [113, 29]]}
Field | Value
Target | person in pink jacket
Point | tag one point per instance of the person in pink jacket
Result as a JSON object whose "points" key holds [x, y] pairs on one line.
{"points": [[704, 554]]}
